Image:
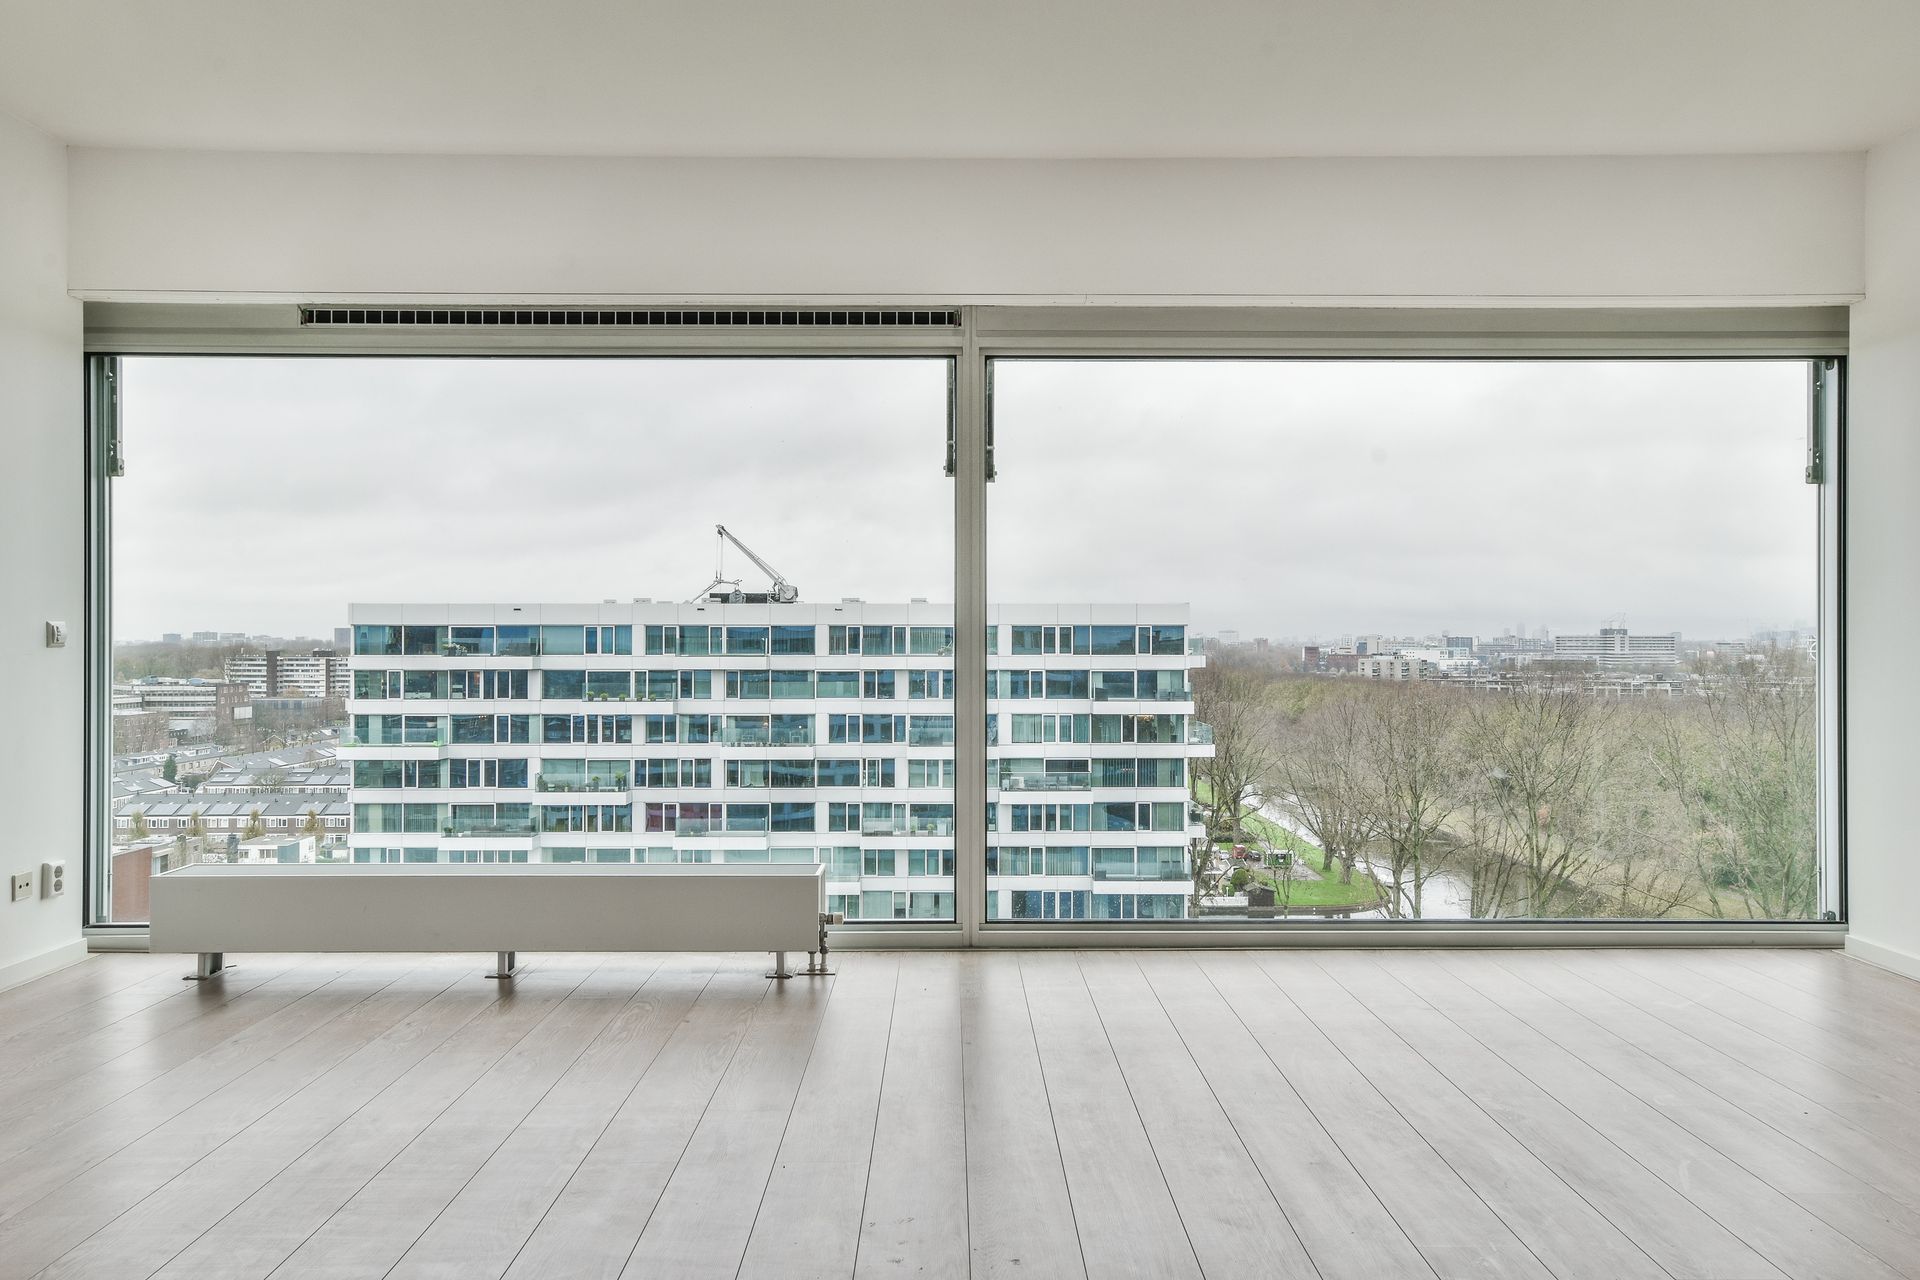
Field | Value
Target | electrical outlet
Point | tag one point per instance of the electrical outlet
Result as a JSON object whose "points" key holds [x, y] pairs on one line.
{"points": [[56, 635], [23, 886], [53, 879]]}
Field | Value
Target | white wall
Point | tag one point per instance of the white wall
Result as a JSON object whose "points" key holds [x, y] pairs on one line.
{"points": [[1680, 230], [1883, 570], [1660, 229], [42, 569]]}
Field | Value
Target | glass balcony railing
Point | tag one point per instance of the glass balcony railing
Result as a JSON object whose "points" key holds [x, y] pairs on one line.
{"points": [[1130, 875], [515, 827], [1199, 734], [1047, 782], [545, 783]]}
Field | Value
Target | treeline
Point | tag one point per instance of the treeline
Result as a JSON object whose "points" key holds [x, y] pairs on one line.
{"points": [[179, 660], [190, 659], [1547, 800]]}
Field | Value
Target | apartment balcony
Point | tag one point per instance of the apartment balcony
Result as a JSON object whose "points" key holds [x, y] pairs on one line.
{"points": [[430, 749], [1047, 782], [694, 829], [465, 830], [570, 786], [1162, 875]]}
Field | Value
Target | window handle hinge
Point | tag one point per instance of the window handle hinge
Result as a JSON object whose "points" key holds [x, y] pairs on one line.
{"points": [[106, 396], [1818, 387]]}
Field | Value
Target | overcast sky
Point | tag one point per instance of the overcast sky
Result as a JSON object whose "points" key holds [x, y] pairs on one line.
{"points": [[1287, 499]]}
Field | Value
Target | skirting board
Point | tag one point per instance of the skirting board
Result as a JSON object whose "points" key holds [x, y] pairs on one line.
{"points": [[46, 962], [1904, 963]]}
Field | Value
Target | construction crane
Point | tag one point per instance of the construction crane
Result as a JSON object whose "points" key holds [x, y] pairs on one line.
{"points": [[782, 592]]}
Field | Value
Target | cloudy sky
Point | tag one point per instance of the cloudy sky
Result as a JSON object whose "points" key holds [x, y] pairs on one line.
{"points": [[1288, 499]]}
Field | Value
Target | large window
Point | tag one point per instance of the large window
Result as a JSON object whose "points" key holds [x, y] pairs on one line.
{"points": [[1263, 643], [1403, 640], [434, 610]]}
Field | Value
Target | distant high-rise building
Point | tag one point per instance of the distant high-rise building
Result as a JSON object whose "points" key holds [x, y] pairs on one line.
{"points": [[343, 639], [1615, 647]]}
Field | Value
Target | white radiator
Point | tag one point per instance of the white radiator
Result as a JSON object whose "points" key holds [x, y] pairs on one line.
{"points": [[212, 910]]}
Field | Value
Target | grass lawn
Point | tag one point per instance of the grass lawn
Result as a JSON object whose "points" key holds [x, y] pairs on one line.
{"points": [[1325, 890]]}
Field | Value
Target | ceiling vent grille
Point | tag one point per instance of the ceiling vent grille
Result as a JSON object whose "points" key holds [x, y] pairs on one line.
{"points": [[574, 318]]}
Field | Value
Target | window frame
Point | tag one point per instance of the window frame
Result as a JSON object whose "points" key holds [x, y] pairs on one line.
{"points": [[984, 334]]}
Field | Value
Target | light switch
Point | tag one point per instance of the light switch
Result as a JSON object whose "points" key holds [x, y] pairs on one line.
{"points": [[56, 634]]}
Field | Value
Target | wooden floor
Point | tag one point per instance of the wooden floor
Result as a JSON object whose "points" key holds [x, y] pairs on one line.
{"points": [[1041, 1114]]}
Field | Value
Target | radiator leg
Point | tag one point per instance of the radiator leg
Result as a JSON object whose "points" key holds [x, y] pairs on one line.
{"points": [[818, 968], [210, 964], [504, 963], [780, 969]]}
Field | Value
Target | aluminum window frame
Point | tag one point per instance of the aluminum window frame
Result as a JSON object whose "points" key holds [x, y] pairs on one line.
{"points": [[985, 333]]}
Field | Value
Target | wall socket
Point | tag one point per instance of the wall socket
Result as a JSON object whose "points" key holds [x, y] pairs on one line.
{"points": [[56, 635], [53, 879], [23, 886]]}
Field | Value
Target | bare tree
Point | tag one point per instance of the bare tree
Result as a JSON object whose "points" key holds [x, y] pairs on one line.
{"points": [[1743, 768], [1320, 780], [1411, 737], [1646, 871], [1233, 702], [1541, 762]]}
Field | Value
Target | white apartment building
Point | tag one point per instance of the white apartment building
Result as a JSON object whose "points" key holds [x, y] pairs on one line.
{"points": [[254, 670], [1615, 647], [274, 673], [754, 732], [1397, 667]]}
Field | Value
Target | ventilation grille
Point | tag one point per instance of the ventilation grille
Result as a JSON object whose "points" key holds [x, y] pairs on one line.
{"points": [[490, 317]]}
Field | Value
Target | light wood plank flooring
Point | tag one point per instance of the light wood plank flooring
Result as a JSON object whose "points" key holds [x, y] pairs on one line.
{"points": [[1359, 1115]]}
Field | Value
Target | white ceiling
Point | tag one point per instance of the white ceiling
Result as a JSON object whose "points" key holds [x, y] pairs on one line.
{"points": [[967, 78]]}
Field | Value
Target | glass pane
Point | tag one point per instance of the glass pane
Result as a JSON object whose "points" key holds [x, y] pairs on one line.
{"points": [[1432, 640], [273, 711]]}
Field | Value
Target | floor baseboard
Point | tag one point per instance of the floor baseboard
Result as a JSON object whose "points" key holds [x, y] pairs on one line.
{"points": [[46, 962], [1904, 963]]}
